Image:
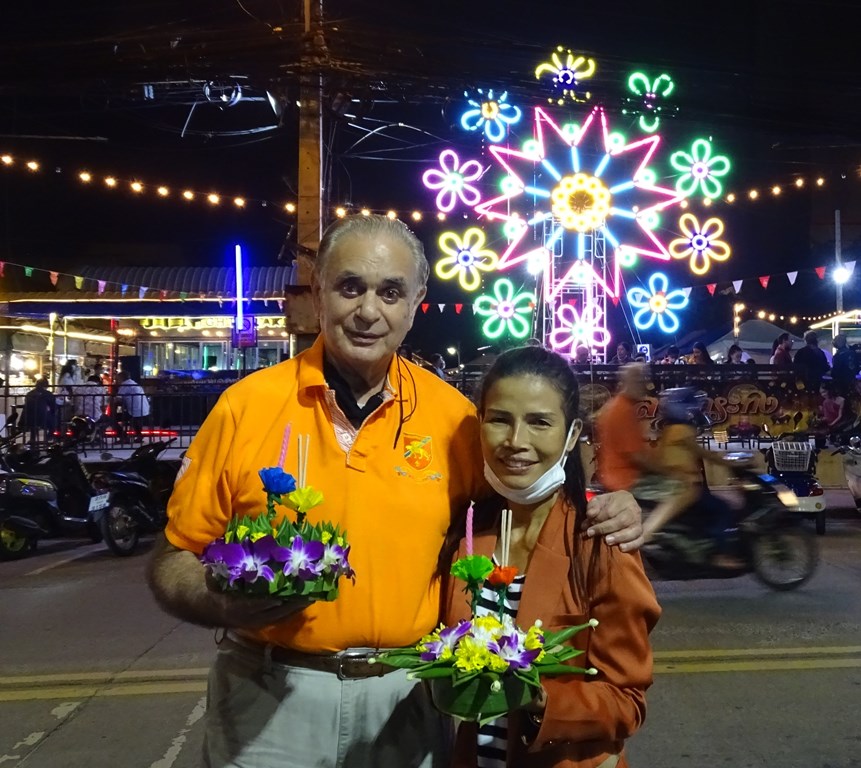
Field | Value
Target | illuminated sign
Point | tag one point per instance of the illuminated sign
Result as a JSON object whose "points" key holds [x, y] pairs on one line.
{"points": [[218, 322], [657, 304], [506, 310], [467, 258], [700, 244], [491, 114], [700, 170]]}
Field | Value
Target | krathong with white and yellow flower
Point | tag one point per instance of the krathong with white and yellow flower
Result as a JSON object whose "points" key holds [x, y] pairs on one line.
{"points": [[485, 667], [271, 555]]}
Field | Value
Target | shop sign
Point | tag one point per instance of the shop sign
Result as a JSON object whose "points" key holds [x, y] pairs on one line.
{"points": [[218, 322], [246, 336]]}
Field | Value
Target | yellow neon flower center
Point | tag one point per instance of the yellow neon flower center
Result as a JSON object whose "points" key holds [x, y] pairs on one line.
{"points": [[658, 303], [489, 110], [580, 202]]}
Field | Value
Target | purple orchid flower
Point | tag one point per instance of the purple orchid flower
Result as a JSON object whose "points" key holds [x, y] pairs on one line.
{"points": [[336, 560], [448, 638], [238, 561], [304, 559], [510, 648]]}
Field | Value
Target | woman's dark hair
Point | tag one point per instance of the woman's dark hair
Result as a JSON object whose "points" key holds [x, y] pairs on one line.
{"points": [[782, 338], [731, 351], [700, 347], [68, 367], [553, 368], [95, 379]]}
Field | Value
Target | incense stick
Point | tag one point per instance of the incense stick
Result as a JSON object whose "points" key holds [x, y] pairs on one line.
{"points": [[505, 535], [469, 514]]}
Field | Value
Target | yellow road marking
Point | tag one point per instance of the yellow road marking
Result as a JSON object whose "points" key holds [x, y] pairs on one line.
{"points": [[724, 653], [693, 668]]}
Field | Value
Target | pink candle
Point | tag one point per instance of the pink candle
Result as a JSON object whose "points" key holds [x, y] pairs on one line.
{"points": [[284, 443], [469, 530]]}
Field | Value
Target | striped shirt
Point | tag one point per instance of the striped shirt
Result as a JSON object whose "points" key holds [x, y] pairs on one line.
{"points": [[493, 736]]}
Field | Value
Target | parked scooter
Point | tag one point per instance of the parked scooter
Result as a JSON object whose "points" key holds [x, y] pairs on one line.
{"points": [[766, 537], [793, 460], [852, 467], [140, 486]]}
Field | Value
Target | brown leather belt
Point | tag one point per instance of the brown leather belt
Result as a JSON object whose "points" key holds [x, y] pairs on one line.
{"points": [[350, 664]]}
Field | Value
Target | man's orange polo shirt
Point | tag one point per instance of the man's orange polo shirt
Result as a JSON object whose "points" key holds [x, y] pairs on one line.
{"points": [[619, 434], [395, 500]]}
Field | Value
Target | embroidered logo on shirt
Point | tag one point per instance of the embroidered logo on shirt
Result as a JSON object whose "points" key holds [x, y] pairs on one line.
{"points": [[417, 450]]}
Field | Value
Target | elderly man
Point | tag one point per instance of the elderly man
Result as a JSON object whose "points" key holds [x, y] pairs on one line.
{"points": [[291, 683]]}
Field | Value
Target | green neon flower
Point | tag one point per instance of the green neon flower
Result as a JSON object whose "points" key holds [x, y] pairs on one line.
{"points": [[506, 310], [700, 170], [649, 91]]}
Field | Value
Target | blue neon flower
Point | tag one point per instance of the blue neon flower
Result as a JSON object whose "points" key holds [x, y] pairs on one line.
{"points": [[657, 304], [489, 113]]}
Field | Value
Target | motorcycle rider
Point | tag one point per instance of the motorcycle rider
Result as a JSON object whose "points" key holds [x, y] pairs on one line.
{"points": [[681, 458]]}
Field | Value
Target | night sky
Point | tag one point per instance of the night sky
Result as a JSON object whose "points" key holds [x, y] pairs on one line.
{"points": [[111, 89]]}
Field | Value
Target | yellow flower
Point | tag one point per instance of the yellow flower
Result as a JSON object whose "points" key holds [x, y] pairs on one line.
{"points": [[241, 532], [340, 541], [325, 537], [534, 638], [257, 535], [471, 656], [486, 628], [303, 499]]}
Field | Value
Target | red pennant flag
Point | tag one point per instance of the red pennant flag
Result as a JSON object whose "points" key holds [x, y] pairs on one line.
{"points": [[425, 308], [572, 302], [615, 300], [763, 281], [163, 295], [54, 277], [711, 287], [458, 308], [820, 272], [2, 268]]}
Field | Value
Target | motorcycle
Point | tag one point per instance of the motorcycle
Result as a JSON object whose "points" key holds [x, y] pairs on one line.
{"points": [[42, 496], [852, 467], [140, 487], [793, 460], [765, 537]]}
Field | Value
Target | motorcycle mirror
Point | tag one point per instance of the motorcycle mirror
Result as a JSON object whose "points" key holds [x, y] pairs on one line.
{"points": [[855, 441]]}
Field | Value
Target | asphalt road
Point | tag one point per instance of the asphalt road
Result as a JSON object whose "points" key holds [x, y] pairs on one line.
{"points": [[94, 675]]}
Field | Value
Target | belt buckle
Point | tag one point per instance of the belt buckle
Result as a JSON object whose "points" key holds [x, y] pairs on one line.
{"points": [[354, 655]]}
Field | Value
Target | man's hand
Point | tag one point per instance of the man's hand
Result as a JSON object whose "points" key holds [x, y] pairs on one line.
{"points": [[250, 612], [618, 518]]}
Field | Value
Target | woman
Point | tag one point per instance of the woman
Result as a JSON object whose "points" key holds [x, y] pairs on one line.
{"points": [[735, 355], [700, 355], [529, 439]]}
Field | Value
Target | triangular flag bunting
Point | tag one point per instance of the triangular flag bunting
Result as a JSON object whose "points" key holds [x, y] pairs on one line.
{"points": [[736, 285], [2, 268], [792, 276], [123, 289], [458, 308], [711, 287], [572, 302], [102, 284], [162, 295], [687, 292], [280, 304], [183, 295], [141, 291], [474, 309], [54, 277], [615, 300], [79, 282], [28, 271], [820, 272], [441, 307], [763, 281], [425, 308], [850, 265]]}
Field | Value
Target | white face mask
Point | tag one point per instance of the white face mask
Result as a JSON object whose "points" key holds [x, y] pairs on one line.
{"points": [[548, 483]]}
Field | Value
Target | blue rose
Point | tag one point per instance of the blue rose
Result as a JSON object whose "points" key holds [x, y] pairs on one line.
{"points": [[277, 481]]}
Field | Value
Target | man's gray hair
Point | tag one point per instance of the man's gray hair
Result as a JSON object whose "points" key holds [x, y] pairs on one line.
{"points": [[371, 226]]}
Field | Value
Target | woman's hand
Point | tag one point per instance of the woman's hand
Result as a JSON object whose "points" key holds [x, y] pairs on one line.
{"points": [[618, 518]]}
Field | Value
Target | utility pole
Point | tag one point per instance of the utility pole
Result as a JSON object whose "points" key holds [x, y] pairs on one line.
{"points": [[838, 258]]}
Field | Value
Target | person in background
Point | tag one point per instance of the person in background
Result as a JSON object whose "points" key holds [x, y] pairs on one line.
{"points": [[90, 398], [437, 361], [624, 354], [700, 355], [774, 345], [673, 356], [406, 352], [734, 355], [134, 401], [810, 362], [289, 675], [582, 356], [844, 366], [782, 357], [40, 411], [833, 410], [69, 376], [576, 721]]}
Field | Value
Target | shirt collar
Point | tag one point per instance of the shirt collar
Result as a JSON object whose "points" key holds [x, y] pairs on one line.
{"points": [[311, 371]]}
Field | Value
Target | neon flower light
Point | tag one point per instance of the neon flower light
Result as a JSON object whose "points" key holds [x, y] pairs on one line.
{"points": [[467, 257], [572, 327], [649, 92], [700, 170], [700, 243], [567, 74], [585, 183], [657, 304], [452, 181], [490, 114], [506, 310]]}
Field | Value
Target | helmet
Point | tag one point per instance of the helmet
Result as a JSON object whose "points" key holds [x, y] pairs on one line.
{"points": [[683, 405]]}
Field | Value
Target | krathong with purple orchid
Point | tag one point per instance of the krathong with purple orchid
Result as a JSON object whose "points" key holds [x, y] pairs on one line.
{"points": [[272, 555], [486, 667]]}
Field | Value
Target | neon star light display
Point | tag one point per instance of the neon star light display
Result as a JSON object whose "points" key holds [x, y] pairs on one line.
{"points": [[584, 327], [507, 310], [657, 304], [700, 169], [490, 114], [466, 258], [700, 243], [651, 94], [452, 180], [567, 74]]}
